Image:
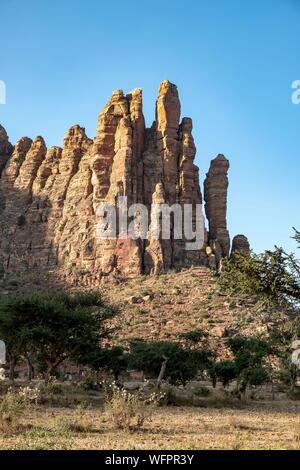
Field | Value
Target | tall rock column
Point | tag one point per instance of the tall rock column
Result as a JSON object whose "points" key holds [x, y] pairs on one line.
{"points": [[167, 126], [188, 191], [240, 244], [9, 174], [123, 252], [215, 195], [104, 144], [139, 129], [5, 148], [161, 170], [157, 252], [16, 183], [30, 166], [72, 185], [12, 168]]}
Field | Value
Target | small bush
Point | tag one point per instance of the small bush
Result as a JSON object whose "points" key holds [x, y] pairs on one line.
{"points": [[220, 398], [14, 405], [259, 376], [203, 392], [176, 290], [127, 410]]}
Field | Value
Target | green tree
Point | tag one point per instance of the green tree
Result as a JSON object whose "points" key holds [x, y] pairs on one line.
{"points": [[14, 331], [297, 237], [194, 337], [270, 279], [113, 360], [177, 363], [53, 327], [250, 355], [259, 376], [283, 338], [225, 371]]}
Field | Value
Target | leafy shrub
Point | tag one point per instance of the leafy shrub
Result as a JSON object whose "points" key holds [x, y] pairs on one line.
{"points": [[259, 376], [202, 392], [127, 410], [249, 358], [193, 337], [270, 279], [226, 371], [14, 405]]}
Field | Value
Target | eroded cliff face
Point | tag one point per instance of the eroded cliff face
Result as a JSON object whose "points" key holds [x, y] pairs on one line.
{"points": [[49, 198]]}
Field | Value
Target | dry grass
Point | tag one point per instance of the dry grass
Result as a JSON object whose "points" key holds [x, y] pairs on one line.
{"points": [[259, 426], [127, 410]]}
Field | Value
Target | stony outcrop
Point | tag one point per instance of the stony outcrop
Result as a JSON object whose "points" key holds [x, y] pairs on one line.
{"points": [[5, 148], [49, 198], [215, 195], [240, 244]]}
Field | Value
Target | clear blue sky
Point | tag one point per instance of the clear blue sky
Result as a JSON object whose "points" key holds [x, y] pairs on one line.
{"points": [[233, 61]]}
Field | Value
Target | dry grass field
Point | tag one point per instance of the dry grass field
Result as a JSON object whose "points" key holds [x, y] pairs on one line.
{"points": [[267, 425]]}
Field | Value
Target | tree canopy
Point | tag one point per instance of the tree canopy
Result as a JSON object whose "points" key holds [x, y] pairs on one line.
{"points": [[271, 279], [53, 327]]}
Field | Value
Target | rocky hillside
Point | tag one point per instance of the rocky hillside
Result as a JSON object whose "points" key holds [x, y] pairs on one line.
{"points": [[163, 307]]}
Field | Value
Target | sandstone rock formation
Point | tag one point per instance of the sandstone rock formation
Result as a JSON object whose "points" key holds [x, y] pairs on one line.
{"points": [[5, 148], [240, 244], [49, 199], [215, 195]]}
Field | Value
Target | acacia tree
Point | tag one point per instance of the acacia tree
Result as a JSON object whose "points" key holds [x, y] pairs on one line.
{"points": [[283, 338], [297, 237], [53, 327], [225, 371], [14, 314], [113, 360], [270, 279], [167, 359], [250, 356]]}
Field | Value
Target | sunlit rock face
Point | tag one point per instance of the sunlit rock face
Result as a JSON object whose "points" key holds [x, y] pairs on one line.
{"points": [[49, 198]]}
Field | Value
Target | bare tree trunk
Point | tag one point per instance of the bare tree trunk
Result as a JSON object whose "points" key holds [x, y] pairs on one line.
{"points": [[51, 366], [30, 369], [271, 378], [162, 372], [12, 365], [49, 372]]}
